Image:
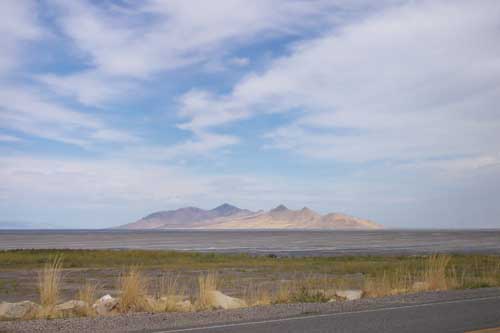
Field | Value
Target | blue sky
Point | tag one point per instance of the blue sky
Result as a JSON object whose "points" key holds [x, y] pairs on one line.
{"points": [[386, 110]]}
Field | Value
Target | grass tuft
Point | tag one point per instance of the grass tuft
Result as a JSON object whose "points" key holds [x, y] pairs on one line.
{"points": [[49, 286], [435, 276], [87, 293], [256, 294], [170, 293], [133, 288], [207, 283]]}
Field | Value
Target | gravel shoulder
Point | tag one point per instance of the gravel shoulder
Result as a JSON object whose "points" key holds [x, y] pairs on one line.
{"points": [[145, 322]]}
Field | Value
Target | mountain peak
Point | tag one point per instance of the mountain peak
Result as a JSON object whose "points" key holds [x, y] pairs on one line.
{"points": [[226, 209], [227, 216], [225, 205], [280, 208]]}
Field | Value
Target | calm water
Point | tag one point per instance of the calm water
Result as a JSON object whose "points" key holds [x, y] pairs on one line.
{"points": [[279, 242]]}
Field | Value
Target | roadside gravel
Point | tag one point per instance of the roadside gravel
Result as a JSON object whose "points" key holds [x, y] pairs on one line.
{"points": [[145, 322]]}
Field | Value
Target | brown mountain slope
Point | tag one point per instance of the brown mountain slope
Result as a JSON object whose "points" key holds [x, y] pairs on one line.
{"points": [[284, 218], [231, 217], [187, 217]]}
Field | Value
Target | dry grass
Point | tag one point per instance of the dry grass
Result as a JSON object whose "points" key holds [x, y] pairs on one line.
{"points": [[133, 289], [49, 286], [434, 276], [388, 283], [305, 290], [284, 292], [478, 275], [87, 294], [431, 274], [169, 294], [207, 283], [377, 276], [257, 294]]}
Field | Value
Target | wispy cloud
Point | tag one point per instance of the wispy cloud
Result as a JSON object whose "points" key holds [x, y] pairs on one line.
{"points": [[140, 40], [18, 25], [123, 43], [24, 110], [9, 138], [405, 83], [90, 88]]}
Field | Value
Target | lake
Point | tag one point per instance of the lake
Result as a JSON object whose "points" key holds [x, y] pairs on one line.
{"points": [[281, 242]]}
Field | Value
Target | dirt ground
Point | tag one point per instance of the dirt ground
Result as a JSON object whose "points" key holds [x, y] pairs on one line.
{"points": [[22, 284]]}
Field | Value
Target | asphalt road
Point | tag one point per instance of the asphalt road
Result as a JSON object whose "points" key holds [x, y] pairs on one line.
{"points": [[479, 314]]}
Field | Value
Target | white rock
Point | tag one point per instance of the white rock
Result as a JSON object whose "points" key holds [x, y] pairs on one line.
{"points": [[185, 306], [106, 305], [9, 311], [173, 298], [71, 308], [350, 294], [327, 293], [172, 303], [219, 300]]}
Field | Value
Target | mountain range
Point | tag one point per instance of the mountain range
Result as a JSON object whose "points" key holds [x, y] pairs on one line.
{"points": [[227, 216]]}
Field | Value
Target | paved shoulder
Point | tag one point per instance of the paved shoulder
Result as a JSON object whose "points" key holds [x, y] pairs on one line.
{"points": [[444, 316]]}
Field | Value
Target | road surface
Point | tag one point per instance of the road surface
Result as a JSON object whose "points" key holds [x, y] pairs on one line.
{"points": [[481, 315]]}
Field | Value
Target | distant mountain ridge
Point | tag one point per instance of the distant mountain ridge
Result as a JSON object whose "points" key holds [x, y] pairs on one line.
{"points": [[227, 216]]}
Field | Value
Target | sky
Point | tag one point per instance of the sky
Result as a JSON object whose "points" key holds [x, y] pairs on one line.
{"points": [[386, 110]]}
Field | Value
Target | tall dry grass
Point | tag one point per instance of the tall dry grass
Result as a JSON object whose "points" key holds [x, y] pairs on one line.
{"points": [[478, 275], [170, 293], [88, 294], [432, 273], [305, 289], [434, 276], [284, 292], [389, 283], [49, 286], [133, 290], [207, 283], [257, 294]]}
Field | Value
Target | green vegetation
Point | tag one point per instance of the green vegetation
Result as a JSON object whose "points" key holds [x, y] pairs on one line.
{"points": [[150, 280], [119, 258], [468, 271]]}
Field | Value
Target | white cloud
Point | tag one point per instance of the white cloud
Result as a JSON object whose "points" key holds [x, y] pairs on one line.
{"points": [[202, 145], [9, 138], [412, 82], [240, 61], [24, 110], [27, 110], [18, 24], [136, 41], [90, 88], [125, 44], [138, 187], [91, 182], [160, 35], [205, 110], [460, 166]]}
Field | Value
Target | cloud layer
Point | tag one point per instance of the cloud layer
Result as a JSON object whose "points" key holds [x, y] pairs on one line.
{"points": [[414, 82], [387, 109]]}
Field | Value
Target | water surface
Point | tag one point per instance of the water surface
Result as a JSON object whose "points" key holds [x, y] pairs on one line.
{"points": [[285, 242]]}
